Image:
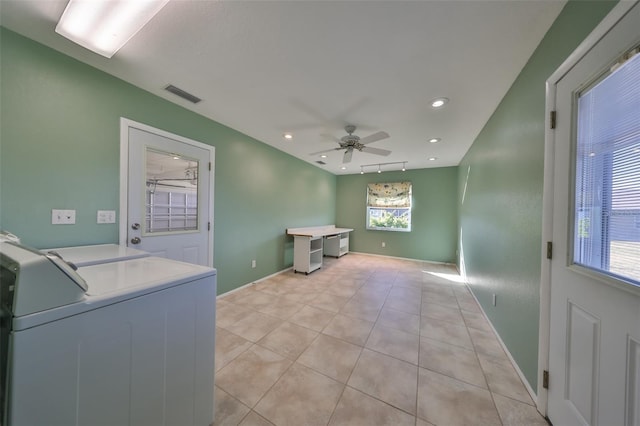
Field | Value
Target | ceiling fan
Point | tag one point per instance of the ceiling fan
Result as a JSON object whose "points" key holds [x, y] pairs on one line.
{"points": [[350, 142]]}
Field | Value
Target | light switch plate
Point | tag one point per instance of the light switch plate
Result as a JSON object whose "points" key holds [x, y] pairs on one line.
{"points": [[63, 217], [106, 216]]}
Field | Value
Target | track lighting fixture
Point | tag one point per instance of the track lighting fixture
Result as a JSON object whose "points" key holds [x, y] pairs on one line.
{"points": [[364, 166]]}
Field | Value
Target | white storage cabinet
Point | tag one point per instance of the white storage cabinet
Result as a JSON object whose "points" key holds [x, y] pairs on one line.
{"points": [[307, 253], [336, 245]]}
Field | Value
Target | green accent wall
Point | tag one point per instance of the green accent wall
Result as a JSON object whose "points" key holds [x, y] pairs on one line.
{"points": [[500, 192], [60, 148], [433, 214]]}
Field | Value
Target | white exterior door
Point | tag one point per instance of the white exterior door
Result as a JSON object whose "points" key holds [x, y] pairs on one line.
{"points": [[594, 325], [169, 194]]}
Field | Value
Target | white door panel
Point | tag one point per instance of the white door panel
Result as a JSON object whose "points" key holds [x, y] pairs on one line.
{"points": [[169, 194], [594, 318]]}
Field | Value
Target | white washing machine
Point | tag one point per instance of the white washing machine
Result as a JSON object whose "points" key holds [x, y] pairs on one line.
{"points": [[128, 342]]}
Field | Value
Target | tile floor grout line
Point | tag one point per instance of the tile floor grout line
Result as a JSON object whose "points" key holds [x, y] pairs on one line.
{"points": [[400, 280]]}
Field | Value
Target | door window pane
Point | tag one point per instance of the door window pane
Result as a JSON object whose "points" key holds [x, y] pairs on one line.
{"points": [[607, 181], [171, 193]]}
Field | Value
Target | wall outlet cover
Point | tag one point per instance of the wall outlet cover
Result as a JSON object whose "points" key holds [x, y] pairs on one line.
{"points": [[63, 217], [106, 216]]}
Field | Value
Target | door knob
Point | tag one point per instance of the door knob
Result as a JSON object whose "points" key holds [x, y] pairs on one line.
{"points": [[135, 226], [135, 240]]}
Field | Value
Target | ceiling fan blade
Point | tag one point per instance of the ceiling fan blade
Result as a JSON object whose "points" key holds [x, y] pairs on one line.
{"points": [[325, 150], [347, 156], [376, 151], [374, 137]]}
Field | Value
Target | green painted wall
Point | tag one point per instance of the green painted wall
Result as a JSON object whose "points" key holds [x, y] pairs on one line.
{"points": [[60, 146], [500, 192], [434, 214]]}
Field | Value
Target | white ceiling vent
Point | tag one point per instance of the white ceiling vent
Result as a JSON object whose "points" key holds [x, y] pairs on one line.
{"points": [[184, 95]]}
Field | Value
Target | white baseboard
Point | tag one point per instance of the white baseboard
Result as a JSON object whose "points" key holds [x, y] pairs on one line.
{"points": [[525, 382], [230, 292], [403, 258]]}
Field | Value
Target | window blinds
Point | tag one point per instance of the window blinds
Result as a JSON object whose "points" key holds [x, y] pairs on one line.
{"points": [[396, 194], [607, 182]]}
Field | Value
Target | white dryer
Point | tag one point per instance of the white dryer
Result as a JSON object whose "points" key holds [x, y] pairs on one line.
{"points": [[123, 343]]}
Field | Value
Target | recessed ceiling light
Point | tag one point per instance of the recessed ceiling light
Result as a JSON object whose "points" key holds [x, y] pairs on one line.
{"points": [[287, 136], [343, 168], [439, 102], [435, 140], [323, 156], [433, 158]]}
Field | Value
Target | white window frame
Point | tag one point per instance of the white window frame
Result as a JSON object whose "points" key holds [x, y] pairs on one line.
{"points": [[370, 209]]}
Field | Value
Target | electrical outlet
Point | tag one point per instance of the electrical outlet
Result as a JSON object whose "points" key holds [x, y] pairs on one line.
{"points": [[253, 263], [384, 244], [106, 216], [63, 217]]}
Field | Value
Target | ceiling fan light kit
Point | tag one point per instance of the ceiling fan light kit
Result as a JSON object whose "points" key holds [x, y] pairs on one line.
{"points": [[351, 142]]}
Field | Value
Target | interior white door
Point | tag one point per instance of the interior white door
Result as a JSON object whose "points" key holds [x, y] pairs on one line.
{"points": [[594, 346], [169, 195]]}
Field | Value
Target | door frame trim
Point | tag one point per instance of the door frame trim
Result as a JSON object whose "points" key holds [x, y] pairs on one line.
{"points": [[125, 125], [601, 30]]}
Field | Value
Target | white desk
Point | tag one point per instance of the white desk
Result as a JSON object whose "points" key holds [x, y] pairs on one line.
{"points": [[310, 244]]}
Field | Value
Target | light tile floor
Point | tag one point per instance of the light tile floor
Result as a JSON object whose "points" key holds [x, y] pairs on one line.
{"points": [[365, 340]]}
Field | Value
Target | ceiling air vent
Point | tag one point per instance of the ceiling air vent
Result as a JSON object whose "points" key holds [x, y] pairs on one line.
{"points": [[184, 95], [321, 162]]}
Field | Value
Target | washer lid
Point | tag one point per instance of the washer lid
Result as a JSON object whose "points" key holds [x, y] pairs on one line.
{"points": [[96, 254], [145, 274]]}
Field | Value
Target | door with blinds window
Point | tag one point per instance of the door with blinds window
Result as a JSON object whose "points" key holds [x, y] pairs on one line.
{"points": [[169, 195], [594, 348]]}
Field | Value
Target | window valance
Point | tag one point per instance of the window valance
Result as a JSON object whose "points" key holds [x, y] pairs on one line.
{"points": [[394, 194]]}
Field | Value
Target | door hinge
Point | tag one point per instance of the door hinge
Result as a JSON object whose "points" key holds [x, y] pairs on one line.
{"points": [[209, 165], [545, 379], [552, 120], [208, 226], [549, 249]]}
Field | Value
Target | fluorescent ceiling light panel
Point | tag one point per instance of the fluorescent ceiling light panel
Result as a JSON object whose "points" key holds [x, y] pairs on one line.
{"points": [[104, 26]]}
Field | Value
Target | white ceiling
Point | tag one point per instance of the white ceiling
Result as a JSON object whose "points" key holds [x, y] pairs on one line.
{"points": [[311, 67]]}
